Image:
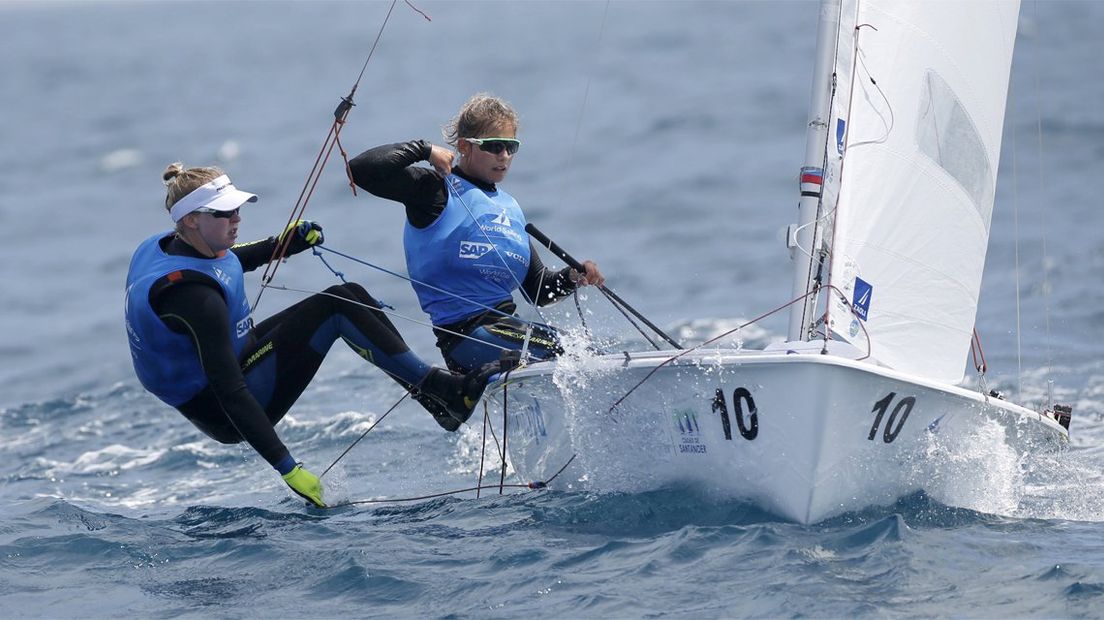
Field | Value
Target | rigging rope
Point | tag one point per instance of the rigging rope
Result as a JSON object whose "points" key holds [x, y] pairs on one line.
{"points": [[505, 434], [284, 287], [364, 434], [535, 485], [332, 140], [613, 301], [483, 450], [408, 279], [629, 319], [980, 365], [1016, 245], [1044, 192], [736, 329], [861, 60]]}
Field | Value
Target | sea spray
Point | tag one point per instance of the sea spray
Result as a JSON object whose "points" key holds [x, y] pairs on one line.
{"points": [[975, 469]]}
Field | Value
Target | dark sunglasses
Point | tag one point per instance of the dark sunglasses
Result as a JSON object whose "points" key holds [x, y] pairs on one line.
{"points": [[222, 215], [496, 145]]}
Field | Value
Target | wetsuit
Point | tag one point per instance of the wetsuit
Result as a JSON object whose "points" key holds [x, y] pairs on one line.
{"points": [[243, 394], [388, 172]]}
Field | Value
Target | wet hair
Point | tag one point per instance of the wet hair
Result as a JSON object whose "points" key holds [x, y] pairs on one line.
{"points": [[481, 114], [181, 181]]}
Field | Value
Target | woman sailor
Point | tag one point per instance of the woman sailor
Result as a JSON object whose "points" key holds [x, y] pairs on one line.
{"points": [[465, 241], [194, 344]]}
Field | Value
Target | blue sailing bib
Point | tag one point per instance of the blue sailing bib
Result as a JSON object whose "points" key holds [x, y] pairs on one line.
{"points": [[166, 362], [477, 250]]}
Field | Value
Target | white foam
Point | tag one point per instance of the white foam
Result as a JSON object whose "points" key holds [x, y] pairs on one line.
{"points": [[977, 469], [981, 471], [598, 436], [471, 449], [346, 423], [112, 458]]}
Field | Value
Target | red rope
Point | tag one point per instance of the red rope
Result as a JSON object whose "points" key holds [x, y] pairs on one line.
{"points": [[502, 474], [976, 351], [332, 140], [305, 194], [483, 447]]}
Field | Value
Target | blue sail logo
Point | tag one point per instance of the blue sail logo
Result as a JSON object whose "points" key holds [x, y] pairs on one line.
{"points": [[861, 301]]}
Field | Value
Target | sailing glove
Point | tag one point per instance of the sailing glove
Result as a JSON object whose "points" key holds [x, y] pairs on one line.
{"points": [[305, 484], [304, 234]]}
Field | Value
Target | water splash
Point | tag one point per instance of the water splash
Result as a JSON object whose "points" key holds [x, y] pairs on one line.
{"points": [[979, 470], [976, 469], [472, 449]]}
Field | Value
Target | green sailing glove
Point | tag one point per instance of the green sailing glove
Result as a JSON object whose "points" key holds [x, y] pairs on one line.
{"points": [[305, 234], [306, 484]]}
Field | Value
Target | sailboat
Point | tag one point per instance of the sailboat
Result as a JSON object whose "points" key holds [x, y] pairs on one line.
{"points": [[896, 197]]}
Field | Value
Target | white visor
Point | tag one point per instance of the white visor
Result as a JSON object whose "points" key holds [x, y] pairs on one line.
{"points": [[218, 195]]}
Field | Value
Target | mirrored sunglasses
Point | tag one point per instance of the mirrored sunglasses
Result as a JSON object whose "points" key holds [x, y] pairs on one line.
{"points": [[496, 145], [224, 215]]}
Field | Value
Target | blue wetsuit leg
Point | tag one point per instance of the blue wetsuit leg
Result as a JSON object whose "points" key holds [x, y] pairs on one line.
{"points": [[291, 345]]}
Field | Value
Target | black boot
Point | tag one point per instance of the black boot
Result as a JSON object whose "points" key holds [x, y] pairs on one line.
{"points": [[437, 409], [451, 397]]}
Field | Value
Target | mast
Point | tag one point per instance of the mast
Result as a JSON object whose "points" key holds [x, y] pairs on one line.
{"points": [[806, 239]]}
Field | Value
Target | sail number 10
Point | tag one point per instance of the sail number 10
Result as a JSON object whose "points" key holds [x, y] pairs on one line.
{"points": [[896, 418], [742, 400], [747, 416]]}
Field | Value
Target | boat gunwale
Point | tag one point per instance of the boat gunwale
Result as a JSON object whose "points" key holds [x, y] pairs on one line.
{"points": [[699, 357]]}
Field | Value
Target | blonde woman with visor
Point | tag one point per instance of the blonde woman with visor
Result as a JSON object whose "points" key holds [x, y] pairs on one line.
{"points": [[194, 344]]}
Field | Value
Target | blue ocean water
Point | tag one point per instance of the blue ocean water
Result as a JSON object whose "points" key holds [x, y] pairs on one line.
{"points": [[661, 139]]}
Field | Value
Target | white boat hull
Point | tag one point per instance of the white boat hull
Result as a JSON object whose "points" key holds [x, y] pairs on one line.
{"points": [[804, 436]]}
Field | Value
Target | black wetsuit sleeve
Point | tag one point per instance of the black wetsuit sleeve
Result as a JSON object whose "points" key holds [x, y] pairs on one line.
{"points": [[387, 171], [543, 284], [254, 254], [199, 311]]}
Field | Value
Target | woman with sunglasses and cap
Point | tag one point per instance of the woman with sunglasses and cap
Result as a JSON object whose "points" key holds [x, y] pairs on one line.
{"points": [[466, 246], [194, 344]]}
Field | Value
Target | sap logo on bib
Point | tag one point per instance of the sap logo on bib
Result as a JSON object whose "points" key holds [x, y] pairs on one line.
{"points": [[474, 249], [243, 326]]}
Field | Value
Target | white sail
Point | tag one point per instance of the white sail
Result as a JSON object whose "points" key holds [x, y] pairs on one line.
{"points": [[919, 133]]}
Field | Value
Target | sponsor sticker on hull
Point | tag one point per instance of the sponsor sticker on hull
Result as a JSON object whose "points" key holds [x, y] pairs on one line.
{"points": [[689, 437]]}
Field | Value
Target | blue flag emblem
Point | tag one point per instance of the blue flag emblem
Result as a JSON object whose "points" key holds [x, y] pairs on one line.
{"points": [[861, 300]]}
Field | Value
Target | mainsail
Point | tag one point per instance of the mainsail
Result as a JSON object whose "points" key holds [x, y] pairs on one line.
{"points": [[913, 145]]}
